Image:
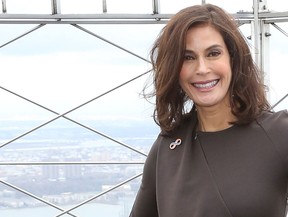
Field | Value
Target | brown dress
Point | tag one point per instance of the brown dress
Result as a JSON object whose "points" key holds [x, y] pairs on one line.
{"points": [[238, 172]]}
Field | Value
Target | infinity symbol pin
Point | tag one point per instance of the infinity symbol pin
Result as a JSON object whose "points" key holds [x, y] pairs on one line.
{"points": [[174, 144]]}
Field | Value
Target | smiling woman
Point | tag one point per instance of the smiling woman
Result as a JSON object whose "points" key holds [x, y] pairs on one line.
{"points": [[226, 156], [181, 50], [61, 67]]}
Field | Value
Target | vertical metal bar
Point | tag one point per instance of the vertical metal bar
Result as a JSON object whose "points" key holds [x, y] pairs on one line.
{"points": [[256, 33], [56, 9], [155, 5], [203, 2], [264, 46], [104, 3], [265, 57], [4, 9]]}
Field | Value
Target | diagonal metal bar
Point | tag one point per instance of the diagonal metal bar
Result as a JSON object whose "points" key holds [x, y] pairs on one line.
{"points": [[98, 195], [26, 33], [35, 197], [277, 103], [73, 109], [109, 42], [280, 29]]}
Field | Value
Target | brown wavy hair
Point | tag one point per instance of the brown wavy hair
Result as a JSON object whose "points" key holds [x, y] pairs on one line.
{"points": [[247, 91]]}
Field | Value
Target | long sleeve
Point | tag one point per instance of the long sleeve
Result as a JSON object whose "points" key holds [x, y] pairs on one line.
{"points": [[145, 204]]}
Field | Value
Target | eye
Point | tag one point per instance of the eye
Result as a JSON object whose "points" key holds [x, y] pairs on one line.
{"points": [[189, 57], [214, 53]]}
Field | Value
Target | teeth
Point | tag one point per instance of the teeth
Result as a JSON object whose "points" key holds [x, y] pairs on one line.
{"points": [[207, 85]]}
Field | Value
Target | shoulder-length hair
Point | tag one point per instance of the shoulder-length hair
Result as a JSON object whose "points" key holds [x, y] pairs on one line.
{"points": [[247, 91]]}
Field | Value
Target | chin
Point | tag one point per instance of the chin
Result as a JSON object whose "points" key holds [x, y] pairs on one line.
{"points": [[210, 103]]}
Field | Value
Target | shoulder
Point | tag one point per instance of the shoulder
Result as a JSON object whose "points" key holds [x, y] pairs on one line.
{"points": [[275, 125], [278, 114], [274, 120]]}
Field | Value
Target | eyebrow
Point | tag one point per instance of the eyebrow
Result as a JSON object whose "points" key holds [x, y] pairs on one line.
{"points": [[209, 48]]}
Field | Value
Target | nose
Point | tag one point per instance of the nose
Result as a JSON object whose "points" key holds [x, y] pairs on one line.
{"points": [[202, 66]]}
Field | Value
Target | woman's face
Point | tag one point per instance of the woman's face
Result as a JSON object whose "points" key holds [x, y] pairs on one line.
{"points": [[206, 71]]}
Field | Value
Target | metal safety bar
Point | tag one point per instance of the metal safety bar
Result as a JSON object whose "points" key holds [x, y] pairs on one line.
{"points": [[279, 101], [56, 9], [4, 10], [22, 35]]}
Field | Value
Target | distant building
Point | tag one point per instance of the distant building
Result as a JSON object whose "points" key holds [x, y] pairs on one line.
{"points": [[72, 171], [50, 172]]}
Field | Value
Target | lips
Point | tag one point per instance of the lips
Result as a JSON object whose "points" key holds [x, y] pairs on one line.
{"points": [[206, 85]]}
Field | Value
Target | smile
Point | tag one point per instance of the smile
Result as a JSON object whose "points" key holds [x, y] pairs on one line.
{"points": [[207, 85]]}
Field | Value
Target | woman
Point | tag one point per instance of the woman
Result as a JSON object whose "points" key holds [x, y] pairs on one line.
{"points": [[226, 155]]}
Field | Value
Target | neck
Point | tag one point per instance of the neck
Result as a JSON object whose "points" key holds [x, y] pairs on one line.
{"points": [[211, 120]]}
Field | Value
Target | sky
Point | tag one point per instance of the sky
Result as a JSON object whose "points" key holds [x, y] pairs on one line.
{"points": [[61, 67]]}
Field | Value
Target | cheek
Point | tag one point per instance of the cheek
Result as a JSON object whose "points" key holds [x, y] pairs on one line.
{"points": [[225, 72], [184, 73], [229, 75], [182, 78]]}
